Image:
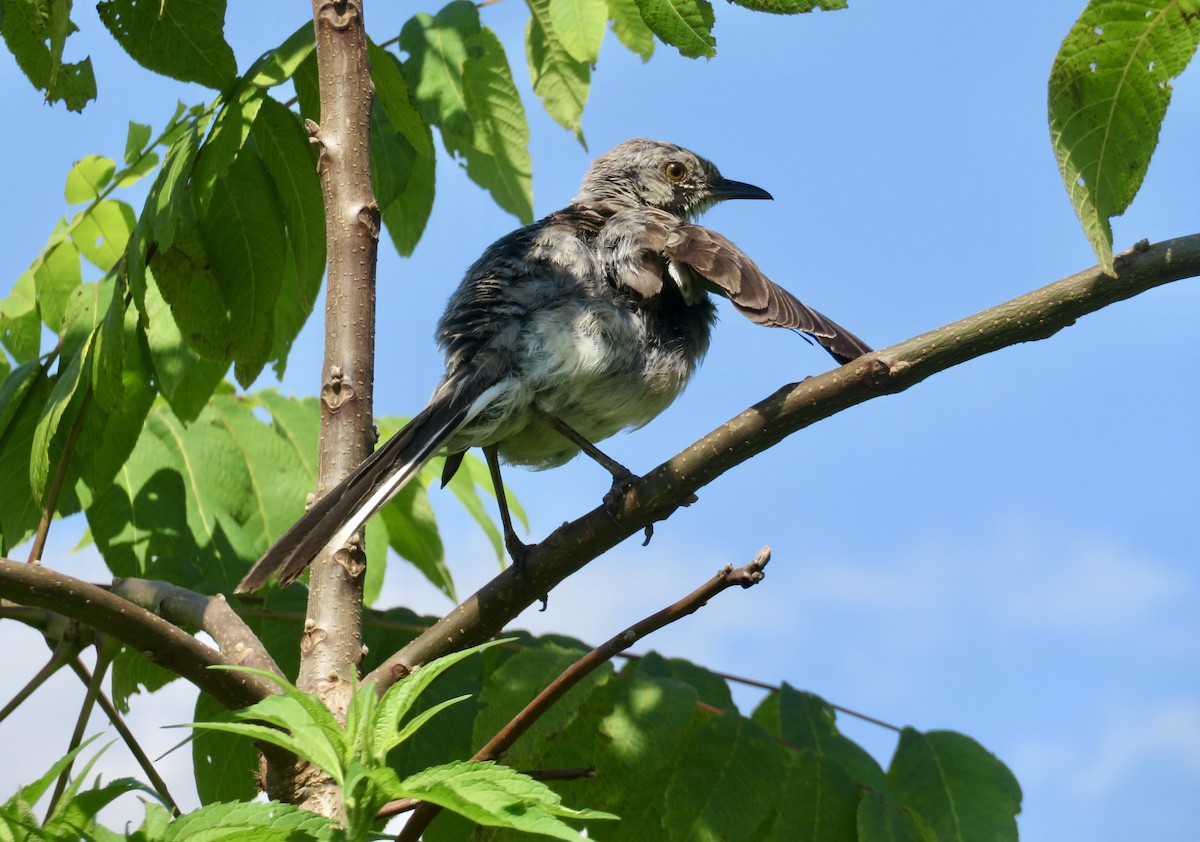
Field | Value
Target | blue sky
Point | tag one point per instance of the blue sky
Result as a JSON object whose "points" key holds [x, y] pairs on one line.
{"points": [[1006, 550]]}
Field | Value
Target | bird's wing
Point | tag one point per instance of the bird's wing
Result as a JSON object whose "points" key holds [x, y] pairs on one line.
{"points": [[734, 275], [345, 508]]}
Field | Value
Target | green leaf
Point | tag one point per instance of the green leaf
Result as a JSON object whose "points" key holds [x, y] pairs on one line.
{"points": [[807, 721], [136, 140], [224, 765], [84, 311], [102, 232], [880, 819], [580, 27], [56, 275], [729, 783], [32, 792], [114, 420], [24, 392], [712, 688], [791, 7], [139, 170], [309, 728], [139, 521], [308, 88], [401, 696], [819, 802], [267, 821], [290, 160], [77, 811], [88, 178], [1109, 90], [13, 392], [496, 796], [500, 160], [20, 324], [277, 477], [684, 24], [279, 64], [182, 39], [297, 422], [402, 154], [392, 94], [131, 673], [58, 414], [230, 131], [560, 81], [404, 185], [637, 747], [184, 276], [960, 788], [179, 506], [437, 49], [187, 380], [36, 35], [169, 205], [108, 385], [516, 682], [246, 242], [630, 29], [412, 531]]}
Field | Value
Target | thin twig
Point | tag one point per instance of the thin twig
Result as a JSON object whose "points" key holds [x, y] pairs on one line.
{"points": [[61, 655], [103, 659], [118, 722], [728, 577], [56, 484]]}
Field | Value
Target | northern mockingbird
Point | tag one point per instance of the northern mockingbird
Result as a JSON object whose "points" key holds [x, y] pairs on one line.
{"points": [[564, 332]]}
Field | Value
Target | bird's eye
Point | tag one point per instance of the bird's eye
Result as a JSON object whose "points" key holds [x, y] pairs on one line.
{"points": [[675, 171]]}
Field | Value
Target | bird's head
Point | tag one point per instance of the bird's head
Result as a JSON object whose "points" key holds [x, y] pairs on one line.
{"points": [[655, 174]]}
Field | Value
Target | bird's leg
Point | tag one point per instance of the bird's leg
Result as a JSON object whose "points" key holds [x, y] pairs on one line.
{"points": [[622, 476], [517, 550]]}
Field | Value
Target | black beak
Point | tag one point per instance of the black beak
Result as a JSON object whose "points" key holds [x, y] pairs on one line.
{"points": [[728, 189]]}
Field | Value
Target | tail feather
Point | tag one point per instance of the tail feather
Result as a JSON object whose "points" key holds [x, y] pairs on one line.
{"points": [[346, 507]]}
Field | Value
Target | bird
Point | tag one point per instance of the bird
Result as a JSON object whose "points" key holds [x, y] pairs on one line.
{"points": [[564, 332]]}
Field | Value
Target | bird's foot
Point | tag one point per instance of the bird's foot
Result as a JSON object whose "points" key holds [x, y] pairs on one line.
{"points": [[518, 551], [622, 480]]}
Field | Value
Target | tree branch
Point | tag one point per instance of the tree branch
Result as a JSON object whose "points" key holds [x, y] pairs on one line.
{"points": [[63, 652], [1036, 315], [727, 577], [131, 743], [158, 640], [332, 643], [331, 646], [188, 609], [104, 655]]}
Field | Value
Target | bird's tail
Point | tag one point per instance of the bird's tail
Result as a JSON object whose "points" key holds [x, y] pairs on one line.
{"points": [[344, 509]]}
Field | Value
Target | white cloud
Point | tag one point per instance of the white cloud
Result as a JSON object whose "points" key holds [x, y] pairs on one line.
{"points": [[1116, 752], [1015, 576]]}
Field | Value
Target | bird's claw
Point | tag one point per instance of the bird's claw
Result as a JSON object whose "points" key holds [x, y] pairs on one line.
{"points": [[620, 484], [518, 551]]}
